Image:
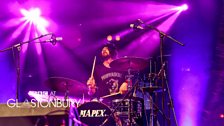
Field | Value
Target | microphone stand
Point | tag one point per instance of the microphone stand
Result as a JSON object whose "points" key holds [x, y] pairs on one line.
{"points": [[170, 103], [162, 36], [18, 69]]}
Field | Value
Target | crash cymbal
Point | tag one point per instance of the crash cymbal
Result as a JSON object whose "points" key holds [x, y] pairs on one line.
{"points": [[152, 89], [132, 63], [62, 84]]}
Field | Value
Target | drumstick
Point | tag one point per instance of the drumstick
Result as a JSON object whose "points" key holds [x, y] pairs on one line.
{"points": [[94, 62], [110, 95]]}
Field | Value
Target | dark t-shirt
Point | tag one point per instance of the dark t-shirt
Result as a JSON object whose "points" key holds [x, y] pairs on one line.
{"points": [[107, 80]]}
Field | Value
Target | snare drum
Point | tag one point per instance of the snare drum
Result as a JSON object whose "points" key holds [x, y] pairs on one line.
{"points": [[134, 106], [95, 113]]}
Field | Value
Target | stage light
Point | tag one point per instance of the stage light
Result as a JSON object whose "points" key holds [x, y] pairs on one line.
{"points": [[109, 38], [34, 16], [184, 7], [117, 38], [221, 116]]}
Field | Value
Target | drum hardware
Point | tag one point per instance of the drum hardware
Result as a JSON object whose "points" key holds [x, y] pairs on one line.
{"points": [[129, 65], [128, 95], [153, 114], [163, 76], [152, 89], [154, 109], [18, 46]]}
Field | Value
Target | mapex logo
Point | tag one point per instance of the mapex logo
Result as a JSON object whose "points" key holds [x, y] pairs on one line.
{"points": [[93, 113]]}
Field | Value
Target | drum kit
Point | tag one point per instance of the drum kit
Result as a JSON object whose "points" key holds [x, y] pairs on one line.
{"points": [[127, 109], [123, 109]]}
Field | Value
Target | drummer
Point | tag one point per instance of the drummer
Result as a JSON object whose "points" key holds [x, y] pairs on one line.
{"points": [[105, 80]]}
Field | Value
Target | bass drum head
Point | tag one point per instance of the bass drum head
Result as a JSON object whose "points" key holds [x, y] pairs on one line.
{"points": [[94, 114]]}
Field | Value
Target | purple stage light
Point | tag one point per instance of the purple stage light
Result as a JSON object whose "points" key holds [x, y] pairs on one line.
{"points": [[181, 8], [109, 38], [184, 7], [34, 16]]}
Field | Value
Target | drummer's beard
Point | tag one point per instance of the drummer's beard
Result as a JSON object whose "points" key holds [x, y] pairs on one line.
{"points": [[104, 58]]}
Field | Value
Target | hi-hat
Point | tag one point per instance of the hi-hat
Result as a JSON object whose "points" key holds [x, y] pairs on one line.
{"points": [[129, 63], [152, 89], [62, 84]]}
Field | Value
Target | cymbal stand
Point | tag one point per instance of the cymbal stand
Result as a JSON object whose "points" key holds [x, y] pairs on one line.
{"points": [[153, 106], [18, 68], [150, 77], [67, 91], [152, 80], [130, 111], [150, 73]]}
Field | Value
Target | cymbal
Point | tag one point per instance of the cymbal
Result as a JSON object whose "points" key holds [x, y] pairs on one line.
{"points": [[151, 89], [132, 63], [62, 84]]}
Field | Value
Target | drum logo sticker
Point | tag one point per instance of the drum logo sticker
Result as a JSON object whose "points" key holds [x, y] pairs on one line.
{"points": [[93, 113]]}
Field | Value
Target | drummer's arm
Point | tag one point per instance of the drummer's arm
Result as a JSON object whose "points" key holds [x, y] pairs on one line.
{"points": [[91, 86]]}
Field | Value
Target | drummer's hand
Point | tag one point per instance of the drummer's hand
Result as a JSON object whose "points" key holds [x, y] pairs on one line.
{"points": [[91, 86], [123, 88], [91, 82]]}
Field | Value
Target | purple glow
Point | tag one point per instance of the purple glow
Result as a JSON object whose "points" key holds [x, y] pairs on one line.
{"points": [[38, 46], [33, 15], [127, 11], [27, 35], [187, 121], [166, 25], [151, 38], [19, 30], [183, 7]]}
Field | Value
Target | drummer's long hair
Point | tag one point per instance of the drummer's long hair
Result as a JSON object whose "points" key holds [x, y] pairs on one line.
{"points": [[112, 48]]}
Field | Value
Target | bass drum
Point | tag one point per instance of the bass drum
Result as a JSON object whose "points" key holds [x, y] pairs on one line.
{"points": [[95, 113]]}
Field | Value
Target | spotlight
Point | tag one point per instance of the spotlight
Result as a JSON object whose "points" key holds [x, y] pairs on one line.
{"points": [[33, 15], [109, 38], [221, 116], [117, 38], [184, 7]]}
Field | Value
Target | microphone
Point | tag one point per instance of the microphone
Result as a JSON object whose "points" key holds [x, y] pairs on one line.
{"points": [[136, 26], [54, 40]]}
